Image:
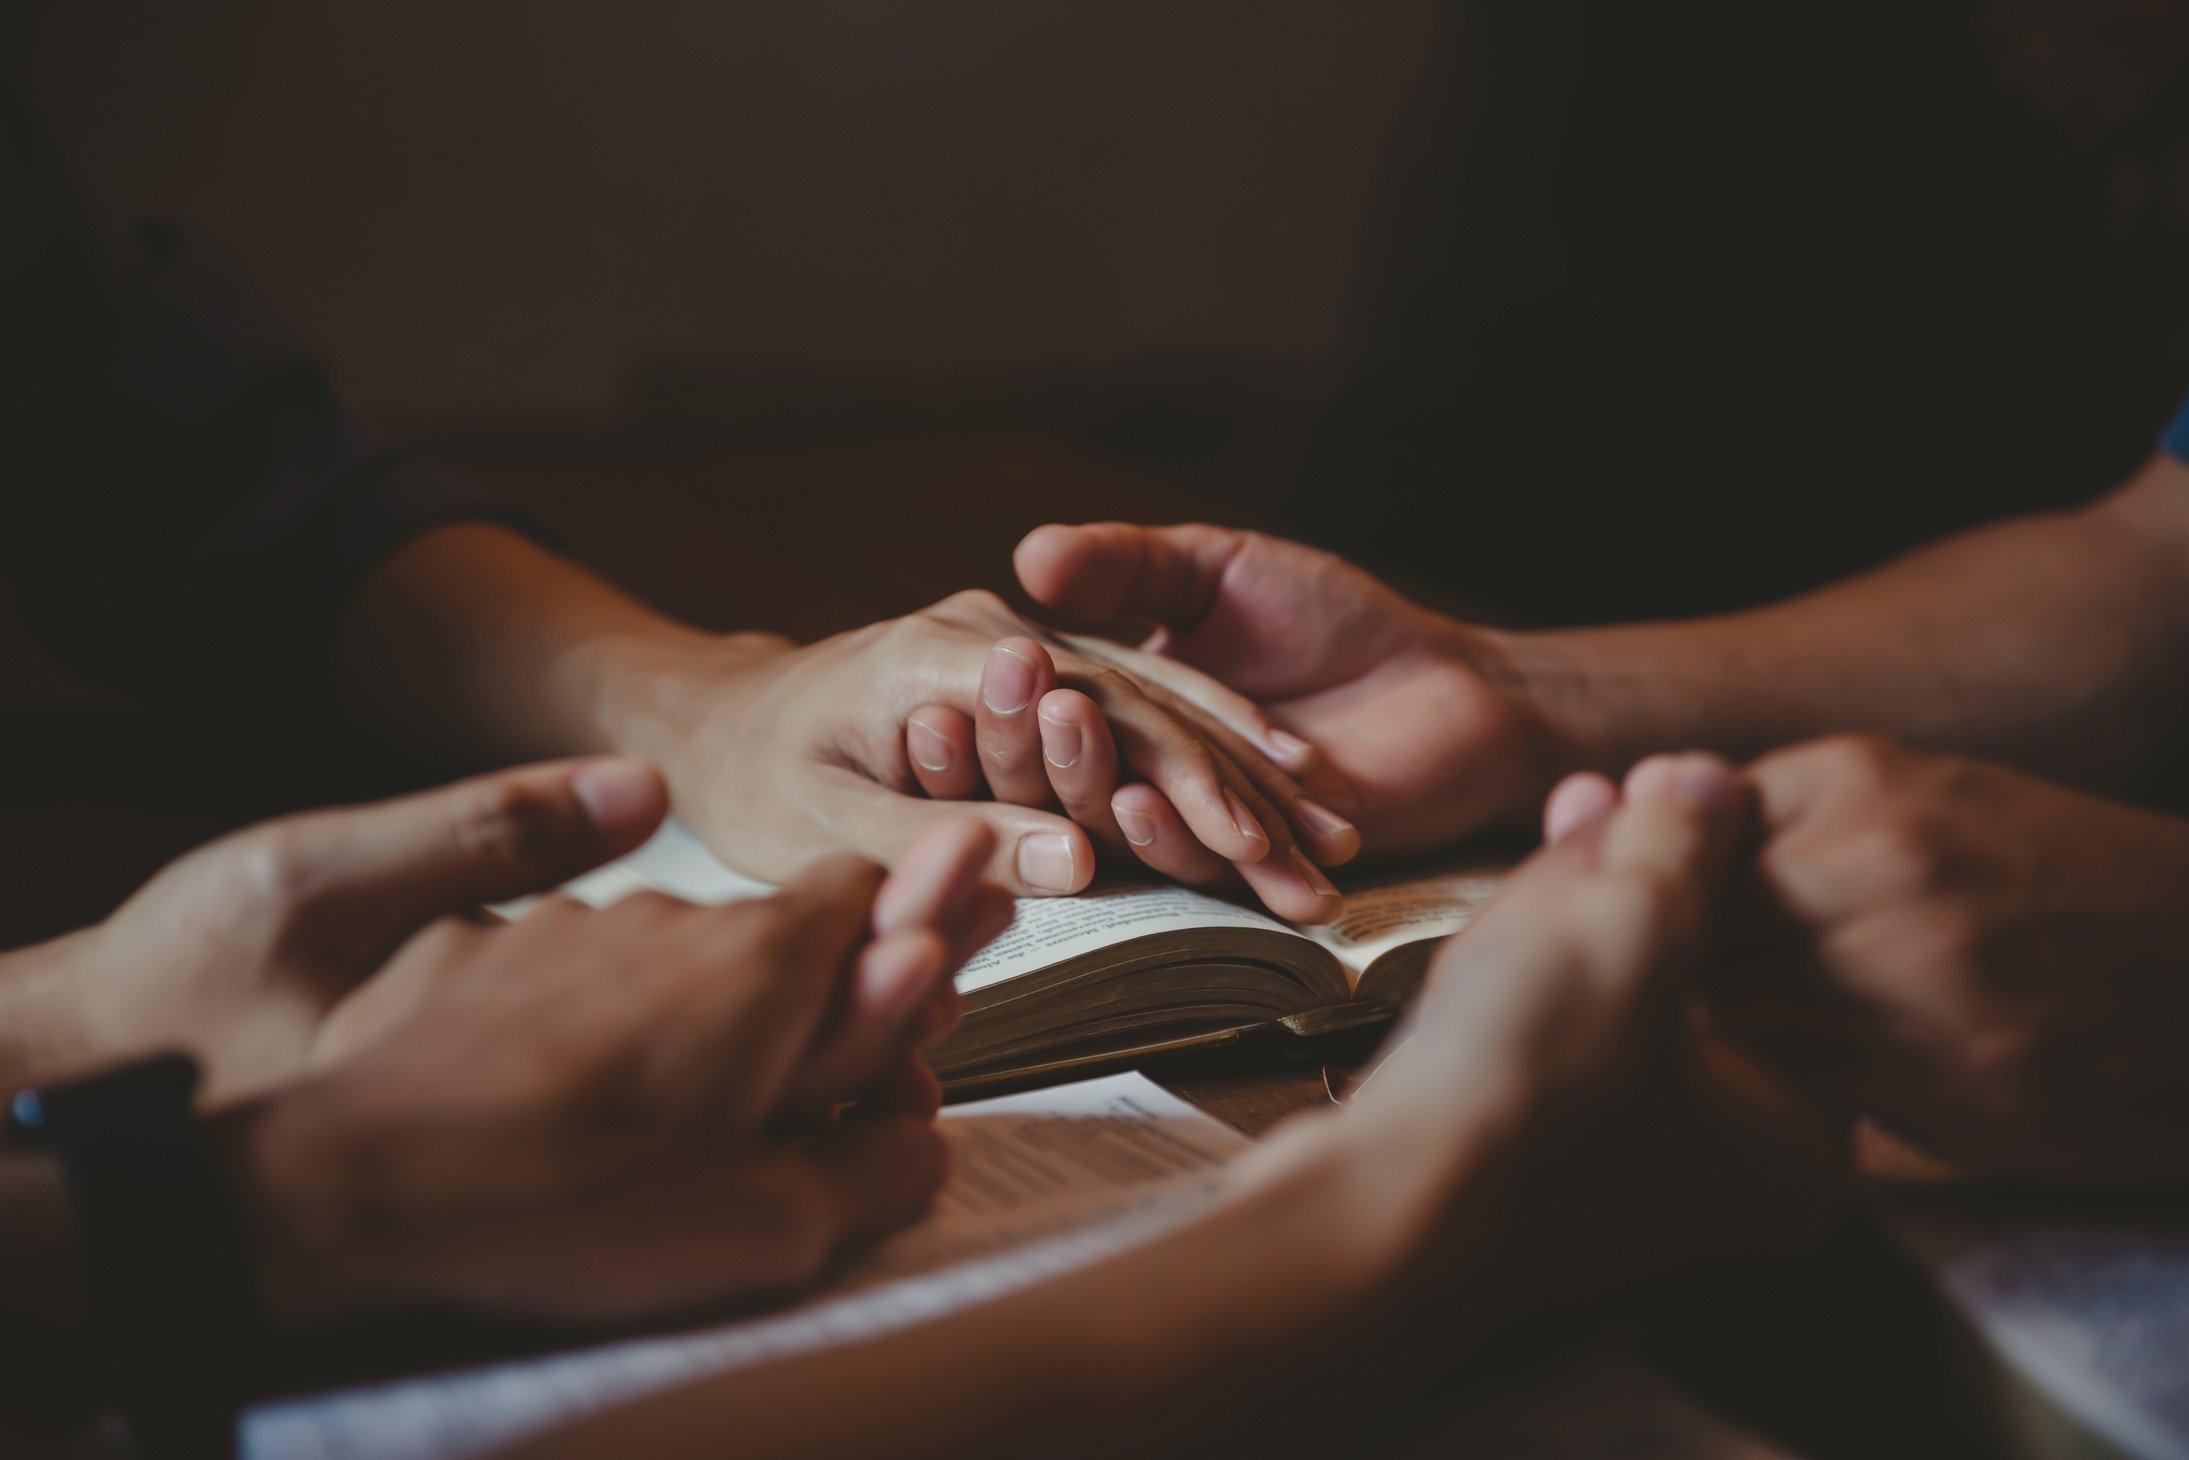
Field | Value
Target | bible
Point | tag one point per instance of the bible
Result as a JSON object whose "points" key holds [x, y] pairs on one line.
{"points": [[1131, 971]]}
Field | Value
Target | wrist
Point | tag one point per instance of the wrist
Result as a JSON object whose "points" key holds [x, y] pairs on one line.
{"points": [[648, 698], [1600, 699], [1381, 1199], [1541, 688]]}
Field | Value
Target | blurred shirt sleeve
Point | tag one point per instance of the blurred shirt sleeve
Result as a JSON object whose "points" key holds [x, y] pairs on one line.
{"points": [[186, 501], [2176, 439]]}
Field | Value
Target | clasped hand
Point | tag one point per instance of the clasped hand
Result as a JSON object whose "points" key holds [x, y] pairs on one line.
{"points": [[417, 1107]]}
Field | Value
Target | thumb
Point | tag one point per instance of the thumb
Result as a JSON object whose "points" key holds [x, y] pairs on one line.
{"points": [[481, 840], [1115, 570], [1031, 853]]}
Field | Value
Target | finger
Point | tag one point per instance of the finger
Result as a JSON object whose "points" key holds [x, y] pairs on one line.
{"points": [[1082, 762], [986, 914], [1286, 879], [1150, 826], [1213, 800], [764, 1008], [939, 742], [932, 882], [1575, 802], [401, 987], [940, 1017], [1681, 820], [1241, 715], [1330, 838], [909, 1089], [400, 862], [1794, 783], [1115, 570], [897, 978], [1038, 853], [1019, 672], [1232, 795]]}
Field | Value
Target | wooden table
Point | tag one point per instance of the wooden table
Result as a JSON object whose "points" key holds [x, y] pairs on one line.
{"points": [[104, 793]]}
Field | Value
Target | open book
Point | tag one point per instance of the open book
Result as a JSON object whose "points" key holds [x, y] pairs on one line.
{"points": [[1076, 981], [1079, 983]]}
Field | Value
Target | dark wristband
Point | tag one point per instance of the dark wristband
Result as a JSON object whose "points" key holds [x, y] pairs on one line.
{"points": [[171, 1294]]}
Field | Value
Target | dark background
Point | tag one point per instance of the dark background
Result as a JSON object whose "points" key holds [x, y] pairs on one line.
{"points": [[1564, 308]]}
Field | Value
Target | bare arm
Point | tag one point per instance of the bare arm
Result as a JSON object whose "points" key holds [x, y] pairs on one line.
{"points": [[2058, 643], [1540, 1138], [474, 643]]}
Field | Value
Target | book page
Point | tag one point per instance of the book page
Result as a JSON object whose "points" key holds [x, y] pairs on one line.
{"points": [[1049, 930], [1040, 1184], [673, 860], [1380, 918]]}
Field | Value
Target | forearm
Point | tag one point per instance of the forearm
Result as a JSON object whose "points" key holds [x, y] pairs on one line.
{"points": [[2057, 643], [1199, 1335], [473, 644]]}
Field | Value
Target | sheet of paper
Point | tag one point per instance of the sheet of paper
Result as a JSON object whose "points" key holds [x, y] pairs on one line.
{"points": [[2093, 1314], [1051, 929], [1381, 917], [1040, 1183]]}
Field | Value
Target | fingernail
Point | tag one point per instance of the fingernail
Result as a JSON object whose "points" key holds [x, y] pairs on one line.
{"points": [[1707, 784], [1045, 862], [1138, 826], [1060, 743], [1648, 777], [616, 793], [1289, 750], [928, 747], [1243, 818], [1325, 821], [1008, 684], [1312, 875]]}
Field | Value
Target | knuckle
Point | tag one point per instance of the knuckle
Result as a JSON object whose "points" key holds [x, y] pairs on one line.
{"points": [[975, 606], [643, 913], [1949, 942], [1898, 853], [268, 868], [500, 823], [1857, 764]]}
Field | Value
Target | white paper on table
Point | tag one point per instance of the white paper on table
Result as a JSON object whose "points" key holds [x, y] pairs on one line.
{"points": [[2091, 1314]]}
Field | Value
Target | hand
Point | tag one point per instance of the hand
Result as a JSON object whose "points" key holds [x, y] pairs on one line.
{"points": [[238, 950], [781, 756], [1424, 735], [580, 1117], [1992, 965], [1545, 1131], [1032, 743], [1552, 1112]]}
